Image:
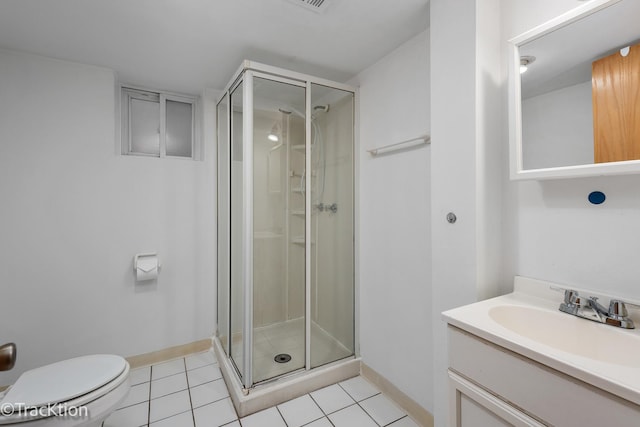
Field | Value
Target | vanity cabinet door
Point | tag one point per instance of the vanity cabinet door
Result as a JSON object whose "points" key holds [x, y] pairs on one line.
{"points": [[471, 406], [615, 82]]}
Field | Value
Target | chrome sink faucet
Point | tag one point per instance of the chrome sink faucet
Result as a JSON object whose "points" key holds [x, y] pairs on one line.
{"points": [[615, 315]]}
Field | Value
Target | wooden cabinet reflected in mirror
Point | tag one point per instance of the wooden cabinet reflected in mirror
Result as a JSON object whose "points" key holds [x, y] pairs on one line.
{"points": [[615, 83]]}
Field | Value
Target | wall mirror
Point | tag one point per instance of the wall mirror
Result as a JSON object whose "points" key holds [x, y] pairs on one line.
{"points": [[575, 110]]}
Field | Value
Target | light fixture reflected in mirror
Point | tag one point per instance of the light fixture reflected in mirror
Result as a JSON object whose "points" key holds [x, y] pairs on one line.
{"points": [[525, 61]]}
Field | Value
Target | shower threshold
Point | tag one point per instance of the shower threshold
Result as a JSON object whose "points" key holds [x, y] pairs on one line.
{"points": [[286, 387]]}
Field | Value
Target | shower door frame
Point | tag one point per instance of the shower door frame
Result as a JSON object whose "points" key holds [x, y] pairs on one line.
{"points": [[244, 76]]}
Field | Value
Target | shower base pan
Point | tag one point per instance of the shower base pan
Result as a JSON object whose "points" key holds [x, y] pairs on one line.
{"points": [[287, 387]]}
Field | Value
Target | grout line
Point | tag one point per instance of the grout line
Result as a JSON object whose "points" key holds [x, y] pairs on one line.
{"points": [[365, 411], [314, 401], [283, 420], [213, 401], [193, 415], [149, 401], [171, 416], [401, 418]]}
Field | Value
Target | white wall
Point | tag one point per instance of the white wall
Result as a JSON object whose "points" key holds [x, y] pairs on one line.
{"points": [[554, 232], [557, 128], [467, 165], [74, 214], [395, 236]]}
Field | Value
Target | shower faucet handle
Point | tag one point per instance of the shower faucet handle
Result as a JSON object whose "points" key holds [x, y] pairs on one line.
{"points": [[333, 208]]}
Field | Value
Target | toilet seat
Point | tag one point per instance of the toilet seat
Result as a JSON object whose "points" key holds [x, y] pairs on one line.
{"points": [[73, 382]]}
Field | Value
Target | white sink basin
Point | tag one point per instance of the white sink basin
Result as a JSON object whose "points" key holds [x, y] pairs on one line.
{"points": [[570, 334]]}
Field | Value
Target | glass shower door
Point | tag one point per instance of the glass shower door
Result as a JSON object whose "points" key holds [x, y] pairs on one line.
{"points": [[223, 221], [332, 225], [278, 227], [286, 224], [237, 297]]}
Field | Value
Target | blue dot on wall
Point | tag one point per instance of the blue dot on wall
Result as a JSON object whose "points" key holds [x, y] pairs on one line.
{"points": [[597, 197]]}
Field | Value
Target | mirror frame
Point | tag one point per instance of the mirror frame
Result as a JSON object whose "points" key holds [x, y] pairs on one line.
{"points": [[515, 106]]}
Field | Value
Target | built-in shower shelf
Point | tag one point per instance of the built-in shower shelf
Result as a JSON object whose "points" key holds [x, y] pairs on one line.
{"points": [[297, 190], [267, 235], [300, 147], [299, 240], [298, 213]]}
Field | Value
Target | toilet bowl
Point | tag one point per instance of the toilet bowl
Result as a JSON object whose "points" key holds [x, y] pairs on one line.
{"points": [[79, 392]]}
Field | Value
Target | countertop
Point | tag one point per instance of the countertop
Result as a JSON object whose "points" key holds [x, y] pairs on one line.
{"points": [[615, 370]]}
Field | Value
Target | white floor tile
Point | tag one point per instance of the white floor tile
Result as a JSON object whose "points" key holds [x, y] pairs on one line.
{"points": [[382, 410], [404, 422], [182, 420], [137, 394], [300, 411], [332, 398], [208, 392], [359, 388], [140, 375], [167, 368], [353, 416], [132, 416], [199, 360], [322, 422], [203, 375], [167, 406], [196, 382], [215, 414], [267, 418], [168, 385]]}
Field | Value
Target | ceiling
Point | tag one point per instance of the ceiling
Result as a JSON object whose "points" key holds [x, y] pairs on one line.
{"points": [[187, 45]]}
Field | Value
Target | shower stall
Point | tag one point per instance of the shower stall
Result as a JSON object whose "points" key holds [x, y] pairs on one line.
{"points": [[286, 261]]}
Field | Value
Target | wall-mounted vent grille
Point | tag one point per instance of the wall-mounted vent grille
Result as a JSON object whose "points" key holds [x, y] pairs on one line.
{"points": [[318, 6]]}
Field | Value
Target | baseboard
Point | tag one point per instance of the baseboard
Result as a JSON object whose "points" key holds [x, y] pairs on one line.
{"points": [[410, 406], [168, 353]]}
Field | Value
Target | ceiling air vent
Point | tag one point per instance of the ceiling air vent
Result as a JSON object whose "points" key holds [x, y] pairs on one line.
{"points": [[317, 6]]}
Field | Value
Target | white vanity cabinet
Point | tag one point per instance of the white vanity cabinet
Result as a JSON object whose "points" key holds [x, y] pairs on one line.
{"points": [[472, 406], [493, 386]]}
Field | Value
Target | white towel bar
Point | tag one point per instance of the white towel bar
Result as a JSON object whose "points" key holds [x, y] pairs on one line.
{"points": [[410, 143]]}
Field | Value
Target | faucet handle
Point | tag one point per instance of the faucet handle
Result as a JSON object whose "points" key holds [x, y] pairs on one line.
{"points": [[570, 296], [572, 302], [618, 309], [7, 356]]}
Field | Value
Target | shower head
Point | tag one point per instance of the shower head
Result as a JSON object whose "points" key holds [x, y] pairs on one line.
{"points": [[317, 109], [289, 109]]}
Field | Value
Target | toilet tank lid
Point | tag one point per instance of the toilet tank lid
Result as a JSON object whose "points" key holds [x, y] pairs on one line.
{"points": [[64, 380]]}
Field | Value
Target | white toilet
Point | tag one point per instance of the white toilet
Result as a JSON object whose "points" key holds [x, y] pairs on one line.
{"points": [[90, 388]]}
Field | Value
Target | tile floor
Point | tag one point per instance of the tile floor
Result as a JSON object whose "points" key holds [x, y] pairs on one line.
{"points": [[190, 392]]}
